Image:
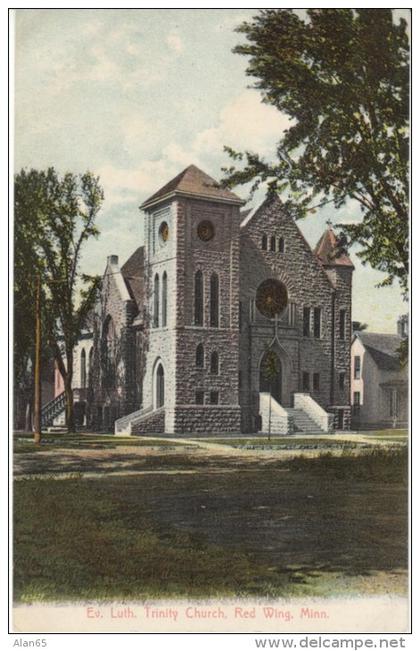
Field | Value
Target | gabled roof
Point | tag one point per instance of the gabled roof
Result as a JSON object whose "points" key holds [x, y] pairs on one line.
{"points": [[193, 182], [330, 252], [382, 348], [273, 198], [133, 274]]}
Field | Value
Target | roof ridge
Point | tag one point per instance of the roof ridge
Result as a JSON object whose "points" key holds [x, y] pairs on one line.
{"points": [[193, 181]]}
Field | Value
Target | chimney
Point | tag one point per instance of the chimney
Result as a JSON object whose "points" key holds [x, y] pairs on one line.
{"points": [[112, 259]]}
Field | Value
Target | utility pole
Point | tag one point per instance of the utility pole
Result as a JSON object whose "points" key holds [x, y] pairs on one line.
{"points": [[37, 370]]}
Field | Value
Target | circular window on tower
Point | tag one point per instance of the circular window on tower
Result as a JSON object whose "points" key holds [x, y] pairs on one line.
{"points": [[205, 230], [164, 232], [271, 298]]}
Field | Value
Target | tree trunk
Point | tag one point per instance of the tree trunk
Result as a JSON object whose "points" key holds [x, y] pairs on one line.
{"points": [[28, 417], [70, 424], [37, 366]]}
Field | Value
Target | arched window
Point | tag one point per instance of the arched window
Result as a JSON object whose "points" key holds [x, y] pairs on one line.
{"points": [[108, 349], [214, 363], [156, 302], [214, 301], [90, 367], [272, 243], [164, 299], [199, 356], [160, 386], [281, 245], [198, 298], [264, 243], [83, 369]]}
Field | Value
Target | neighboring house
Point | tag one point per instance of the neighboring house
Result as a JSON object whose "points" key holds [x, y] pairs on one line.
{"points": [[184, 332], [379, 384]]}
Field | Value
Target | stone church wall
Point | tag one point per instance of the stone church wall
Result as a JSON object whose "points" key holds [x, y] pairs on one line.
{"points": [[307, 285], [115, 400]]}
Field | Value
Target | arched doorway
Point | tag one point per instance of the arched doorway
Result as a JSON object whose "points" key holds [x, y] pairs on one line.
{"points": [[160, 386], [271, 375]]}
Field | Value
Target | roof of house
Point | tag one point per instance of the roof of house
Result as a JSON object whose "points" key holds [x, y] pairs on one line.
{"points": [[133, 274], [195, 182], [382, 348], [330, 252]]}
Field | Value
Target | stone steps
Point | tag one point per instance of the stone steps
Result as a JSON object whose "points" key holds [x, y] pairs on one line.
{"points": [[303, 423], [57, 429]]}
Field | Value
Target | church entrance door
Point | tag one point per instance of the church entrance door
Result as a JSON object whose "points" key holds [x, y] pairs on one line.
{"points": [[271, 375]]}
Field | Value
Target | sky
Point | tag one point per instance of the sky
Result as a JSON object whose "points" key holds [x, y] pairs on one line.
{"points": [[136, 96]]}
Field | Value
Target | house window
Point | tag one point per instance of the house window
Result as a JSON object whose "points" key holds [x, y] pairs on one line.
{"points": [[156, 302], [272, 243], [199, 397], [83, 369], [357, 367], [281, 245], [305, 381], [214, 301], [341, 381], [199, 356], [214, 363], [342, 330], [164, 299], [264, 242], [315, 381], [214, 397], [306, 321], [198, 298], [317, 322]]}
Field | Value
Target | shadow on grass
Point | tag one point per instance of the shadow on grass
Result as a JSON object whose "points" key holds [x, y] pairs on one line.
{"points": [[310, 531]]}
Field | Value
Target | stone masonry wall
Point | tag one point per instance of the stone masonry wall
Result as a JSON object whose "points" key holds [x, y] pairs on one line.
{"points": [[154, 423], [342, 280], [160, 341], [110, 402], [207, 419], [307, 285], [219, 255]]}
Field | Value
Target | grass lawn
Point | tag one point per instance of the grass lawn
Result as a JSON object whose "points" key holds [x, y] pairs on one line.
{"points": [[323, 526], [24, 443]]}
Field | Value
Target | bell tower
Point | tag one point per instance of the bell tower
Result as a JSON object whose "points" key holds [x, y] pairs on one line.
{"points": [[192, 270]]}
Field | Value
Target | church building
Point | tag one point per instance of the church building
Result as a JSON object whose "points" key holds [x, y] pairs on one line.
{"points": [[224, 321]]}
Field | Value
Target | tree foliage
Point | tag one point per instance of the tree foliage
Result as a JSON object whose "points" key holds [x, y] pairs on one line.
{"points": [[54, 217], [342, 78]]}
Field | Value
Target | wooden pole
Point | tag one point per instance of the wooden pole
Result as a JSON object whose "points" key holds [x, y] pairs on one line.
{"points": [[37, 370]]}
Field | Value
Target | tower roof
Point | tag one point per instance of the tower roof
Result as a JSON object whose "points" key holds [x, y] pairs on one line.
{"points": [[193, 182], [330, 251]]}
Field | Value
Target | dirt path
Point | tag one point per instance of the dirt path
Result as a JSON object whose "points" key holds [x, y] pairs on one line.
{"points": [[187, 456]]}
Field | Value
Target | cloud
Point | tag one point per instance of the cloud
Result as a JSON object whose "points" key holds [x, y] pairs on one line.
{"points": [[244, 123]]}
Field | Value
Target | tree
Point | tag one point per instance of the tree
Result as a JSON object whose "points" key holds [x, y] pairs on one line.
{"points": [[54, 218], [358, 326], [342, 77]]}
